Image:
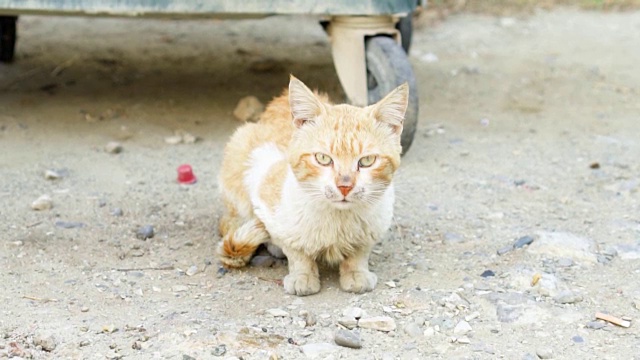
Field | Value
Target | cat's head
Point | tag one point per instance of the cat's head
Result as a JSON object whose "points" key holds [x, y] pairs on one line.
{"points": [[342, 154]]}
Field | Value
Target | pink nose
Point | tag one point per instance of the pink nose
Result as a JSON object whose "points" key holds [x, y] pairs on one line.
{"points": [[345, 190]]}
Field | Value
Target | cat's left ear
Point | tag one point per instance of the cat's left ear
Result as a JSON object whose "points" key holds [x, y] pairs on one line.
{"points": [[305, 106], [392, 108]]}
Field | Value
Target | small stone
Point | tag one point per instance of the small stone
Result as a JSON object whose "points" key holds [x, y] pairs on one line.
{"points": [[109, 329], [44, 202], [565, 262], [505, 250], [84, 343], [348, 322], [577, 339], [309, 318], [391, 284], [179, 288], [463, 340], [69, 224], [412, 329], [113, 147], [429, 332], [488, 273], [192, 270], [52, 175], [277, 312], [46, 342], [173, 139], [523, 241], [117, 212], [462, 328], [544, 353], [84, 309], [567, 297], [595, 325], [318, 350], [145, 232], [380, 323], [249, 108], [348, 339], [219, 350], [353, 312], [187, 357]]}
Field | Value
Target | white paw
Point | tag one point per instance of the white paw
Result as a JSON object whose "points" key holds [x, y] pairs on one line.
{"points": [[301, 284], [358, 281]]}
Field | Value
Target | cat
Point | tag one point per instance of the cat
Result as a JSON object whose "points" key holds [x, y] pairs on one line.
{"points": [[314, 179]]}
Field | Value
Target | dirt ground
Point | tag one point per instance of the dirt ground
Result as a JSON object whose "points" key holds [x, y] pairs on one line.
{"points": [[528, 127]]}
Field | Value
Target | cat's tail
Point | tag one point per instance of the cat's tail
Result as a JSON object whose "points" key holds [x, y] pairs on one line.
{"points": [[238, 246]]}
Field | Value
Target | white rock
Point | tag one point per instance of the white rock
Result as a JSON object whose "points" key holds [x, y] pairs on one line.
{"points": [[277, 312], [249, 108], [173, 139], [192, 270], [113, 147], [380, 323], [429, 332], [52, 175], [353, 312], [44, 202], [462, 328], [390, 284], [564, 245]]}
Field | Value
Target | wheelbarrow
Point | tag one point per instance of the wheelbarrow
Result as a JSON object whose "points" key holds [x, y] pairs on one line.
{"points": [[369, 38]]}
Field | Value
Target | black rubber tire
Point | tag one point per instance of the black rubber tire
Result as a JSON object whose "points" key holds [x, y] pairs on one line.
{"points": [[405, 26], [387, 68], [7, 38]]}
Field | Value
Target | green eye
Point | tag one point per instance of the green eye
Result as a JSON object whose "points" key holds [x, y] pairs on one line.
{"points": [[323, 159], [367, 161]]}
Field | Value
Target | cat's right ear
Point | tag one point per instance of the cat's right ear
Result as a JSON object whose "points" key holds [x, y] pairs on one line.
{"points": [[305, 106]]}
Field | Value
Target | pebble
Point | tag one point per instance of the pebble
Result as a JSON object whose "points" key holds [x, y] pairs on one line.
{"points": [[69, 224], [113, 147], [249, 108], [117, 212], [145, 232], [46, 342], [412, 329], [463, 340], [52, 175], [348, 322], [353, 312], [429, 332], [565, 262], [179, 288], [462, 328], [348, 339], [544, 353], [505, 250], [595, 325], [187, 357], [317, 350], [44, 202], [192, 270], [577, 339], [277, 312], [567, 297], [487, 273], [628, 251], [380, 323], [523, 241], [84, 309], [219, 350]]}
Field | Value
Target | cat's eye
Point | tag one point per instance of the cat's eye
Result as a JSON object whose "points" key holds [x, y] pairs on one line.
{"points": [[366, 161], [323, 159]]}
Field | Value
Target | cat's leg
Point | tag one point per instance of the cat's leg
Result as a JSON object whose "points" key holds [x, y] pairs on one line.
{"points": [[303, 278], [238, 246], [355, 275]]}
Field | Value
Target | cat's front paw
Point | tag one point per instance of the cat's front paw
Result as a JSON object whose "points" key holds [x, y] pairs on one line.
{"points": [[301, 284], [358, 281]]}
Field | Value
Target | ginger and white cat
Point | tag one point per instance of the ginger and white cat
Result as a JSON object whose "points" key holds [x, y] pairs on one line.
{"points": [[314, 179]]}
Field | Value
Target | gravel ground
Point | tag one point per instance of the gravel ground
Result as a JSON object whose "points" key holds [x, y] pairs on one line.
{"points": [[516, 220]]}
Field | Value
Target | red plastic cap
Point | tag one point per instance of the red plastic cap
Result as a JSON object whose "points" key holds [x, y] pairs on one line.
{"points": [[185, 174]]}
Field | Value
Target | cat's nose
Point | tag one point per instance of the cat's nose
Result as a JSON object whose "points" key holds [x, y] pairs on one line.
{"points": [[345, 190]]}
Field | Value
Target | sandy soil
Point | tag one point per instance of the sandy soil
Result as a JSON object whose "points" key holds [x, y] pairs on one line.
{"points": [[528, 127]]}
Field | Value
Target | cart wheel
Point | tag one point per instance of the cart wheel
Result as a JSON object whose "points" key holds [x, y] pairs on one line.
{"points": [[7, 38], [405, 26], [387, 68]]}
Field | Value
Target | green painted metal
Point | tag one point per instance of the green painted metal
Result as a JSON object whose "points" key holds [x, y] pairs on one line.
{"points": [[206, 8]]}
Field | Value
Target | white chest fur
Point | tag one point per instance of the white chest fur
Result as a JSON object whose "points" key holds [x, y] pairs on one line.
{"points": [[310, 224]]}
